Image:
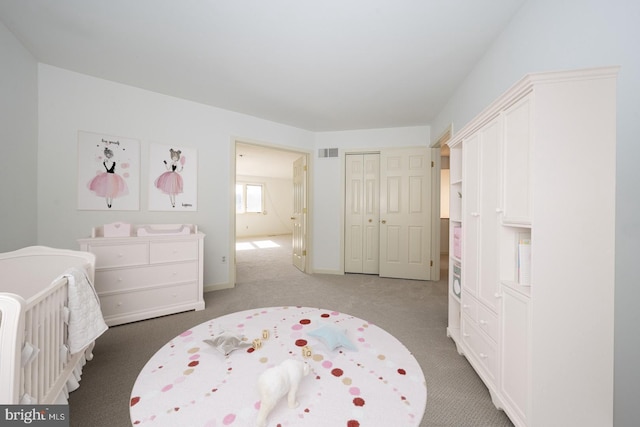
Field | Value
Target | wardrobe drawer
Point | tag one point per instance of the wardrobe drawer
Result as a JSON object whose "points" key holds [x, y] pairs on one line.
{"points": [[173, 251], [123, 255], [488, 322], [481, 348], [130, 303], [470, 307], [143, 277]]}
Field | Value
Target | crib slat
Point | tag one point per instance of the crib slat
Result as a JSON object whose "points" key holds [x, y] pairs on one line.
{"points": [[45, 330]]}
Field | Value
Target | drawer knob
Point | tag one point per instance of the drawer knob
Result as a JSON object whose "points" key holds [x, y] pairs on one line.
{"points": [[483, 356], [119, 304], [475, 214], [483, 322], [465, 306], [119, 279], [466, 335], [497, 295]]}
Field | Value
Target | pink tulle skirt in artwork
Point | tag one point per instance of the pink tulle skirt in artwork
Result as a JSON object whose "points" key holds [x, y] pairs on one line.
{"points": [[108, 185], [169, 183]]}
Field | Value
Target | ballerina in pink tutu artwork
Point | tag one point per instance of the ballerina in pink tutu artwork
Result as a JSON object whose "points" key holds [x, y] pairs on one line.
{"points": [[109, 184], [170, 182]]}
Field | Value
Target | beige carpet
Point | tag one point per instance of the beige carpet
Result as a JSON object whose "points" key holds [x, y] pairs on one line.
{"points": [[415, 312]]}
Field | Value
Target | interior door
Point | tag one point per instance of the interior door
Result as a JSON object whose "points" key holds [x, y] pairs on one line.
{"points": [[405, 213], [362, 226], [299, 217]]}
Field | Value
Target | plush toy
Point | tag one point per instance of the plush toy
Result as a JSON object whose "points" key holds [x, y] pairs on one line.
{"points": [[277, 381], [227, 341]]}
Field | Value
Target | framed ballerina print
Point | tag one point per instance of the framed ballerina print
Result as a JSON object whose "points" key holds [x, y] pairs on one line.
{"points": [[108, 172], [173, 178]]}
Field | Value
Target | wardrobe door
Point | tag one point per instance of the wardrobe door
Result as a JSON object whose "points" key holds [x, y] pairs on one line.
{"points": [[471, 214], [490, 209]]}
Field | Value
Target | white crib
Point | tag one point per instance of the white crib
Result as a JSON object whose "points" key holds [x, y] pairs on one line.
{"points": [[36, 364]]}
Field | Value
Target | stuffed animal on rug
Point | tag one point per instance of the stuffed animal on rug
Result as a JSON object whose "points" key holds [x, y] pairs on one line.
{"points": [[227, 341], [277, 381]]}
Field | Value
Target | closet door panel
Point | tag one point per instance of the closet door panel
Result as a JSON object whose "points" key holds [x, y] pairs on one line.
{"points": [[354, 215], [405, 213]]}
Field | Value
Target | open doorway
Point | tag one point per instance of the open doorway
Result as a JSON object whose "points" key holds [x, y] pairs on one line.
{"points": [[266, 221], [441, 145]]}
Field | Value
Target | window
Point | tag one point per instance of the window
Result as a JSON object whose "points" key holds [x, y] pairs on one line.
{"points": [[249, 198]]}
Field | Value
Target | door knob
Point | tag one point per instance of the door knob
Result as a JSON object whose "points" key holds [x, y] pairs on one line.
{"points": [[370, 220], [384, 221], [293, 217]]}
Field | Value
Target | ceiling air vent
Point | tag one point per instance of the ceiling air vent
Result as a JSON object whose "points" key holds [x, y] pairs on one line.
{"points": [[327, 152]]}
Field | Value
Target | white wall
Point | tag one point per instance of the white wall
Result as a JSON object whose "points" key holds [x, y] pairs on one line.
{"points": [[550, 35], [19, 144], [278, 205], [70, 102], [328, 186]]}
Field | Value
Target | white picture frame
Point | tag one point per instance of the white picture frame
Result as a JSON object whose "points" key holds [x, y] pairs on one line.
{"points": [[108, 172], [173, 178]]}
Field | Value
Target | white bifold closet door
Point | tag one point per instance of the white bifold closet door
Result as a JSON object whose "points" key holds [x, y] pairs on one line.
{"points": [[388, 213], [362, 213]]}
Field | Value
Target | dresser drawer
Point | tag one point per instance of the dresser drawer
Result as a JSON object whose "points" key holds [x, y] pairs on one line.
{"points": [[173, 251], [131, 303], [122, 255], [488, 322], [143, 277], [483, 350]]}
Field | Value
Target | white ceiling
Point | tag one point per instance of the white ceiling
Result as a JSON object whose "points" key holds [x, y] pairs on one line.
{"points": [[320, 65]]}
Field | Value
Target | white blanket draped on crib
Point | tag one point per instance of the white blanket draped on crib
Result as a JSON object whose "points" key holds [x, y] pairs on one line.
{"points": [[86, 323]]}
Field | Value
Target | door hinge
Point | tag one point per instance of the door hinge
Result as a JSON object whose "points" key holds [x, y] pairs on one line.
{"points": [[304, 252], [432, 163], [431, 263], [304, 168]]}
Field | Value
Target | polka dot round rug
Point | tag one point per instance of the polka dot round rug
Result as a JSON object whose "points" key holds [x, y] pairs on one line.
{"points": [[360, 375]]}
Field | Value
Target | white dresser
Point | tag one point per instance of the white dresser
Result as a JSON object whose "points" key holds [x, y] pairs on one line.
{"points": [[153, 274]]}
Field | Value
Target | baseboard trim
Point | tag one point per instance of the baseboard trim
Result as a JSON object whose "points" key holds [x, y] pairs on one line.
{"points": [[337, 272], [217, 287]]}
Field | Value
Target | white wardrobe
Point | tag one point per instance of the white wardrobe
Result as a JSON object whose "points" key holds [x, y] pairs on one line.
{"points": [[531, 301]]}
